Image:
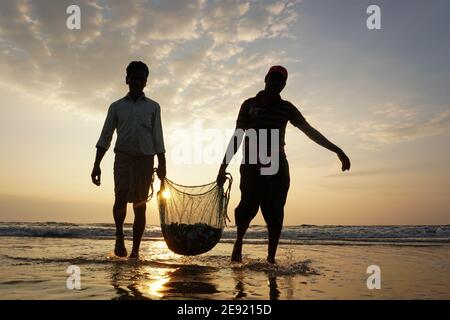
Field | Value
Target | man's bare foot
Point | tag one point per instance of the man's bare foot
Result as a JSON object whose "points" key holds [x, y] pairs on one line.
{"points": [[236, 256], [134, 255], [119, 249], [271, 260]]}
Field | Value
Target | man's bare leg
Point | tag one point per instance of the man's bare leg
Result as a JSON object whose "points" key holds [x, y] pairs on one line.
{"points": [[138, 228], [236, 256], [274, 236], [119, 213], [244, 214]]}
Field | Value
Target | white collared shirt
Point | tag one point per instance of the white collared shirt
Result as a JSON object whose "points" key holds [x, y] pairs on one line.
{"points": [[138, 124]]}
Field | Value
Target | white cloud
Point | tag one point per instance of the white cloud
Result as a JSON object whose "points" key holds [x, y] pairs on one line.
{"points": [[275, 8], [236, 21], [398, 124], [197, 52]]}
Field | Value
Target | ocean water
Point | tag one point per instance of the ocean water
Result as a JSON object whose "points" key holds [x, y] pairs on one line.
{"points": [[313, 262], [290, 235]]}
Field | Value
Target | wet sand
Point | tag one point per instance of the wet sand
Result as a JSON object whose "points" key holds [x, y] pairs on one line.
{"points": [[35, 268]]}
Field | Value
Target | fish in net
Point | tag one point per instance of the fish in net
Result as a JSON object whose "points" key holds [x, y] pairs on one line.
{"points": [[192, 217]]}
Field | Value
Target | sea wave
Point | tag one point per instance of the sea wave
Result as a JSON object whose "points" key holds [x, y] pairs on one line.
{"points": [[256, 233]]}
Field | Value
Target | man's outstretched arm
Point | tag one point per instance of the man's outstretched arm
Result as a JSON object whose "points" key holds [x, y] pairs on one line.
{"points": [[318, 138]]}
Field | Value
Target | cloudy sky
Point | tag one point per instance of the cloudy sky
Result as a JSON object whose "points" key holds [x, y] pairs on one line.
{"points": [[381, 95]]}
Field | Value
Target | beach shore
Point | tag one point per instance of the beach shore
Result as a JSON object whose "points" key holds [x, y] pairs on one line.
{"points": [[36, 268]]}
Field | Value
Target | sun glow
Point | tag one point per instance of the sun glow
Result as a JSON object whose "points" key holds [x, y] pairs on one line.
{"points": [[166, 194]]}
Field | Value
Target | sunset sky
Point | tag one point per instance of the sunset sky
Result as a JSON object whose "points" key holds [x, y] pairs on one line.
{"points": [[381, 95]]}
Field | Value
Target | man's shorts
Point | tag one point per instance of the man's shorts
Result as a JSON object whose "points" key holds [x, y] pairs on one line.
{"points": [[267, 192], [133, 176]]}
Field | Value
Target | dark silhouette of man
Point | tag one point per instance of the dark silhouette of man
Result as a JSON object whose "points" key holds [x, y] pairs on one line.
{"points": [[137, 120], [267, 110]]}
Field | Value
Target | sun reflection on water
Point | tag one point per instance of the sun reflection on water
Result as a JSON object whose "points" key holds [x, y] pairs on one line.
{"points": [[156, 288], [159, 251], [156, 278]]}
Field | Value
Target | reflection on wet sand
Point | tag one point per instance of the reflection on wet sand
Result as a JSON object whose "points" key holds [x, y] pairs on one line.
{"points": [[190, 282], [239, 289], [165, 275], [239, 292], [152, 280], [274, 293], [143, 281]]}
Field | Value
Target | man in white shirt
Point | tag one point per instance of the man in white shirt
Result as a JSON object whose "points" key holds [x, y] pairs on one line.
{"points": [[137, 120]]}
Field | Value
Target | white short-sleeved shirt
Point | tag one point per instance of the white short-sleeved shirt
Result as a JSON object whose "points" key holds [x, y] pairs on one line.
{"points": [[138, 125]]}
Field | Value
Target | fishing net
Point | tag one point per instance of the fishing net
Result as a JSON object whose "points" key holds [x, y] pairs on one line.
{"points": [[192, 217]]}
